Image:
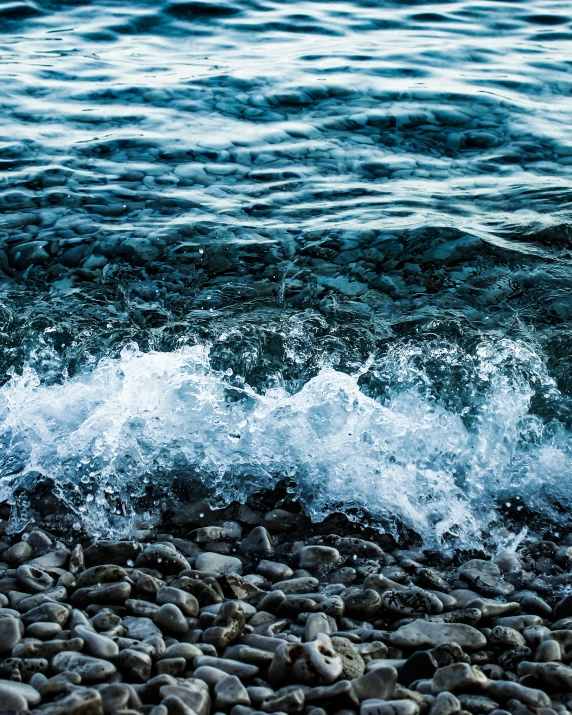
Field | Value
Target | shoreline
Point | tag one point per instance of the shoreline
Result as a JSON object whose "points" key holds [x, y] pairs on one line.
{"points": [[238, 617]]}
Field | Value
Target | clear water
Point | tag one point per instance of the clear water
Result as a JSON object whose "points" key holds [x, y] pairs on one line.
{"points": [[321, 242]]}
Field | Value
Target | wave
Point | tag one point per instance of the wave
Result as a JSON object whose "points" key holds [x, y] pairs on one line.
{"points": [[443, 462]]}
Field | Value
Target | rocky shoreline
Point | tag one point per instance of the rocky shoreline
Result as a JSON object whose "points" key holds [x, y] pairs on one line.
{"points": [[264, 613]]}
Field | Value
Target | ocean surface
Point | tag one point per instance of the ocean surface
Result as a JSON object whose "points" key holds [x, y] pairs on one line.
{"points": [[322, 245]]}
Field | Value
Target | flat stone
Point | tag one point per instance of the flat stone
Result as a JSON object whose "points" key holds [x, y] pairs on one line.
{"points": [[140, 628], [232, 667], [421, 633], [389, 707], [111, 551], [91, 670], [274, 571], [43, 631], [311, 557], [556, 675], [218, 563], [103, 593], [103, 573], [503, 690], [458, 676], [171, 666]]}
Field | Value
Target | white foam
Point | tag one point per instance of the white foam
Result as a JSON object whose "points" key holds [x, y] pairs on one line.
{"points": [[411, 457]]}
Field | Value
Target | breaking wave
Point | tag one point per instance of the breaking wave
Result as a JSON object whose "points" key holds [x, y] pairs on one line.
{"points": [[393, 442]]}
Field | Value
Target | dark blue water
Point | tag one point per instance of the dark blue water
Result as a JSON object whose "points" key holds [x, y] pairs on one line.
{"points": [[325, 243]]}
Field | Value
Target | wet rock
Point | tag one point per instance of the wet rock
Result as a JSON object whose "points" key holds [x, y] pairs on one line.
{"points": [[503, 690], [212, 562], [232, 667], [309, 663], [485, 578], [17, 554], [311, 557], [112, 552], [103, 593], [424, 633], [478, 704], [563, 609], [257, 543], [504, 637], [362, 604], [104, 573], [274, 571], [114, 697], [171, 666], [30, 694], [317, 623], [163, 557]]}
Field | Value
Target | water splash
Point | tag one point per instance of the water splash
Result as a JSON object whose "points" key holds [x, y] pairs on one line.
{"points": [[410, 455]]}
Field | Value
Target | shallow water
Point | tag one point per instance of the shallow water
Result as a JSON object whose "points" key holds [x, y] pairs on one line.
{"points": [[321, 242]]}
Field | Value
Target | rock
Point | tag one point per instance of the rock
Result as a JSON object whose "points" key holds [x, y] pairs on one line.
{"points": [[33, 579], [164, 558], [230, 691], [340, 695], [291, 702], [181, 650], [536, 605], [477, 704], [503, 690], [83, 701], [218, 563], [361, 604], [17, 554], [445, 704], [11, 700], [509, 659], [554, 675], [411, 602], [228, 625], [136, 666], [274, 571], [193, 692], [114, 697], [11, 632], [91, 670], [389, 707], [485, 578], [418, 666], [548, 651], [311, 557], [503, 637], [317, 623], [232, 667], [175, 705], [258, 542], [112, 552], [378, 683], [170, 618], [42, 631], [30, 694], [186, 602], [77, 560], [103, 593], [140, 628], [47, 612], [304, 584], [353, 665], [104, 573], [421, 633], [563, 609], [171, 666], [309, 663], [97, 645], [458, 676], [360, 548]]}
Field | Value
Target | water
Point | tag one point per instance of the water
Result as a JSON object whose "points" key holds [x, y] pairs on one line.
{"points": [[326, 244]]}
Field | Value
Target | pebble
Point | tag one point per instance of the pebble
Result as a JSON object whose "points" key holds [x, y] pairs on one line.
{"points": [[11, 632], [458, 676], [312, 557], [218, 563], [91, 670], [96, 644], [310, 663], [229, 691], [424, 633]]}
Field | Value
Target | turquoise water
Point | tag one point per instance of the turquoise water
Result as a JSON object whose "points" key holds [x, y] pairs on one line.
{"points": [[326, 243]]}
